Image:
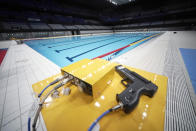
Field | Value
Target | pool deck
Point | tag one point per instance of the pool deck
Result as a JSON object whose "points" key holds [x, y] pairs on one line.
{"points": [[22, 66]]}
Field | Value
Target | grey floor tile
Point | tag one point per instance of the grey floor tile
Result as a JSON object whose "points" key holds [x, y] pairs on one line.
{"points": [[11, 117], [11, 96], [26, 108], [24, 118], [11, 107], [12, 126], [25, 127], [26, 100]]}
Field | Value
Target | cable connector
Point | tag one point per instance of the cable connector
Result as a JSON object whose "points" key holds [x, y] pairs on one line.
{"points": [[62, 77], [117, 107], [58, 79], [63, 82], [66, 80]]}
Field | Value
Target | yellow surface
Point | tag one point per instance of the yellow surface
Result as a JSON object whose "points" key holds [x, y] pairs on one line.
{"points": [[96, 72], [77, 111], [87, 69]]}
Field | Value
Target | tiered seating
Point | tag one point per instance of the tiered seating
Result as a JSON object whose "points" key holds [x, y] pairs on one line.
{"points": [[157, 23], [172, 21], [63, 19], [144, 24], [43, 26], [39, 26], [31, 15], [14, 26], [125, 26], [5, 26], [150, 12], [46, 17], [88, 27], [18, 26], [70, 27], [56, 26], [190, 20], [81, 27], [104, 27], [134, 25], [95, 31]]}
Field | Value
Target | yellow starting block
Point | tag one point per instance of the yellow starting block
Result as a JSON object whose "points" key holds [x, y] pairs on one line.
{"points": [[77, 111]]}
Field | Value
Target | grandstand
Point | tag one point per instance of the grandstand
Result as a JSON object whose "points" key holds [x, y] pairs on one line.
{"points": [[42, 16]]}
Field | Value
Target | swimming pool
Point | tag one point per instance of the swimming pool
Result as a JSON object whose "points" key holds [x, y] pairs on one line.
{"points": [[64, 51]]}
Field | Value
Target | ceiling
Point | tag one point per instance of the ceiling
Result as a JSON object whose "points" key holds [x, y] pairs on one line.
{"points": [[88, 4], [120, 2], [104, 10], [112, 5]]}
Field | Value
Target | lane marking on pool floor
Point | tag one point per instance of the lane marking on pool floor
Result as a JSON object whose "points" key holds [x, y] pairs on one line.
{"points": [[81, 40], [132, 47], [73, 41], [58, 51], [71, 58], [120, 49]]}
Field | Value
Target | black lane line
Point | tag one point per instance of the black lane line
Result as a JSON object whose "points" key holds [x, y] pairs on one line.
{"points": [[74, 42], [70, 41], [67, 42], [71, 58], [58, 51], [116, 53], [79, 41]]}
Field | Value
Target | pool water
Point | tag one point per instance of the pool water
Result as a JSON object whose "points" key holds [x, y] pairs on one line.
{"points": [[64, 51]]}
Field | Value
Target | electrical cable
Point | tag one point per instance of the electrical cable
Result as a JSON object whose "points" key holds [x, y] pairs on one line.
{"points": [[52, 83], [102, 115], [31, 114], [39, 109], [29, 124], [43, 90], [43, 100], [99, 118]]}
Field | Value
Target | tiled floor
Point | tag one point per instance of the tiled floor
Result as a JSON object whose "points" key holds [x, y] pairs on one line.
{"points": [[23, 66]]}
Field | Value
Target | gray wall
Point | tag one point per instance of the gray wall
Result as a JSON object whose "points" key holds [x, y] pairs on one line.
{"points": [[95, 31], [26, 35]]}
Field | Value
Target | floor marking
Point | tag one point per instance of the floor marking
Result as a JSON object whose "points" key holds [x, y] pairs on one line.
{"points": [[58, 51], [133, 43], [71, 58], [76, 41]]}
